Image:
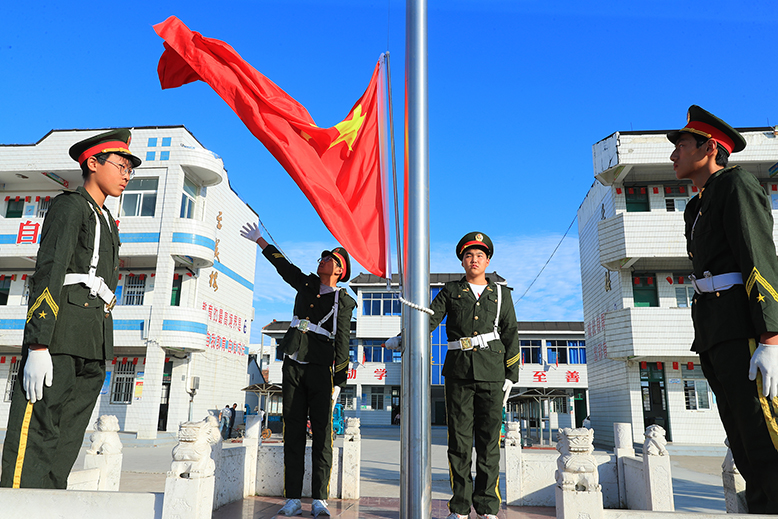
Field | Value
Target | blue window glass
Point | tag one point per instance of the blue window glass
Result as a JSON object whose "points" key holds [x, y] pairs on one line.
{"points": [[152, 142], [164, 155], [166, 141], [151, 155]]}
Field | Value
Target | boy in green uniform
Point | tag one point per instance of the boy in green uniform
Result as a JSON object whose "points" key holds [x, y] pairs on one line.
{"points": [[481, 365], [68, 334], [729, 236], [315, 367]]}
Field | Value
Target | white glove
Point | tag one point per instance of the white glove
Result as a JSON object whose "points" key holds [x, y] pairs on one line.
{"points": [[506, 388], [37, 370], [394, 344], [251, 232], [765, 359], [335, 393]]}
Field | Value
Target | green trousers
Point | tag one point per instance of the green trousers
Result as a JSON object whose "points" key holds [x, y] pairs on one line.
{"points": [[474, 414], [743, 409], [307, 393], [43, 439]]}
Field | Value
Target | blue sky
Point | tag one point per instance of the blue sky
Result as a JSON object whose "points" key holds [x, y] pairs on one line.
{"points": [[518, 93]]}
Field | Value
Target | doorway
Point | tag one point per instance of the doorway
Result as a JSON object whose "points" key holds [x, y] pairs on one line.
{"points": [[654, 395]]}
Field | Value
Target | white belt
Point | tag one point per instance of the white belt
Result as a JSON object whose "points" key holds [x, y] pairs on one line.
{"points": [[96, 285], [711, 283], [304, 325], [468, 343]]}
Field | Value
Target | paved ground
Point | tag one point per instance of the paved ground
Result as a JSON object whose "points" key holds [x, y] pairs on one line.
{"points": [[696, 479]]}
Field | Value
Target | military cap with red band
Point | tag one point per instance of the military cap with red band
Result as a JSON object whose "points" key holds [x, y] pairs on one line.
{"points": [[475, 239], [701, 122], [342, 257], [114, 141]]}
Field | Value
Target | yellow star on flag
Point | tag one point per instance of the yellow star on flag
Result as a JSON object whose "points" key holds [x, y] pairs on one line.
{"points": [[42, 315], [349, 128]]}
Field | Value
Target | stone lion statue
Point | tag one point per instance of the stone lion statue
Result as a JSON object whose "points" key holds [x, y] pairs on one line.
{"points": [[352, 429], [512, 433], [105, 439], [192, 455], [576, 467], [655, 444]]}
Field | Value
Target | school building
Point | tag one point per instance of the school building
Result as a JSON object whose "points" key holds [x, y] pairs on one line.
{"points": [[636, 294], [184, 301]]}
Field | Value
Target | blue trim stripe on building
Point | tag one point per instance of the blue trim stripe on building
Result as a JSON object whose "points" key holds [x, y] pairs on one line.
{"points": [[194, 239], [11, 324], [170, 325], [231, 274], [139, 237], [127, 324]]}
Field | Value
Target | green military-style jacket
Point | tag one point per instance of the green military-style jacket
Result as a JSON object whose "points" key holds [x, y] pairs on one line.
{"points": [[312, 347], [65, 318], [729, 228], [467, 317]]}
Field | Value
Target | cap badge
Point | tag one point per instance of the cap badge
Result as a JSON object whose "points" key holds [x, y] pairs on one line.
{"points": [[479, 237]]}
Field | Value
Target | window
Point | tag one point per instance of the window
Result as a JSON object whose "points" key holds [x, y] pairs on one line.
{"points": [[353, 350], [166, 141], [683, 296], [151, 155], [559, 405], [695, 388], [43, 207], [152, 142], [644, 290], [377, 398], [164, 155], [676, 197], [134, 288], [347, 396], [123, 382], [637, 199], [14, 208], [381, 303], [26, 292], [175, 296], [140, 197], [12, 374], [530, 352], [566, 352], [375, 353], [5, 289], [188, 199]]}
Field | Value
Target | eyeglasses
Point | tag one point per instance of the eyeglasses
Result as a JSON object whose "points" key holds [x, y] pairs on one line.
{"points": [[124, 170], [325, 259]]}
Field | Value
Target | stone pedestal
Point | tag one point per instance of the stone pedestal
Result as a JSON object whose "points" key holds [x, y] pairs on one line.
{"points": [[110, 466], [352, 455], [578, 505], [578, 491], [622, 436], [513, 469], [656, 471], [188, 498], [734, 485]]}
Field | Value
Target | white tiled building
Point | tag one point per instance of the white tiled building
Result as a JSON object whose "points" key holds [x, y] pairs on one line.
{"points": [[636, 294], [185, 292], [553, 372]]}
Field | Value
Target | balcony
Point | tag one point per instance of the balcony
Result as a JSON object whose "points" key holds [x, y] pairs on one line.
{"points": [[12, 319], [204, 166], [629, 237], [649, 332], [183, 329], [193, 242]]}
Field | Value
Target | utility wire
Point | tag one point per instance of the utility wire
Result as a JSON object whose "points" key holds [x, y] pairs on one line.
{"points": [[547, 261]]}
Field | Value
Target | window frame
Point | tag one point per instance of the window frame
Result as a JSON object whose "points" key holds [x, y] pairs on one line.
{"points": [[135, 291], [13, 374], [123, 382], [143, 202]]}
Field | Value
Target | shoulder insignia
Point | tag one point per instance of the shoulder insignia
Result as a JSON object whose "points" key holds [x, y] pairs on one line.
{"points": [[45, 297]]}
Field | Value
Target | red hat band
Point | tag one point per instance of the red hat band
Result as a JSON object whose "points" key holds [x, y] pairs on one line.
{"points": [[711, 132], [472, 244], [104, 147], [341, 261]]}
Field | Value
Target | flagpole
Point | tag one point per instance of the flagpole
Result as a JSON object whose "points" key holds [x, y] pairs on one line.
{"points": [[416, 473]]}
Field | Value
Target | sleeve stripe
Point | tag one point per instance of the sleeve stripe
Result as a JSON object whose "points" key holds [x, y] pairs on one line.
{"points": [[44, 297], [342, 366], [513, 360], [757, 277]]}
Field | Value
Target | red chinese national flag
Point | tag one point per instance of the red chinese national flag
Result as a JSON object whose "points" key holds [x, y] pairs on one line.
{"points": [[337, 168]]}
